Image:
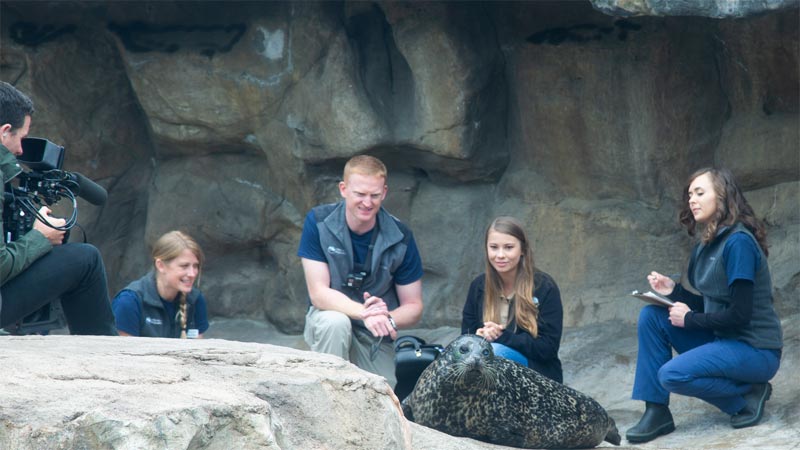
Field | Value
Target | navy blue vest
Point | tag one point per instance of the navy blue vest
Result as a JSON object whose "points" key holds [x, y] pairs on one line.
{"points": [[155, 320], [708, 275]]}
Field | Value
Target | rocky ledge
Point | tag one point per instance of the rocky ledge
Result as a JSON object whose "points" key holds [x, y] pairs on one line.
{"points": [[67, 392]]}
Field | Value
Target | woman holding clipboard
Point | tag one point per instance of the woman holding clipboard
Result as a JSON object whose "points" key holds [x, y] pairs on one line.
{"points": [[729, 338]]}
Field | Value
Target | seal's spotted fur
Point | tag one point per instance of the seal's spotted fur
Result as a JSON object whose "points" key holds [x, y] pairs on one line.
{"points": [[468, 392]]}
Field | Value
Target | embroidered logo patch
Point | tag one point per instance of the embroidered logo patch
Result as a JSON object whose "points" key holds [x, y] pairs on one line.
{"points": [[335, 250], [153, 321]]}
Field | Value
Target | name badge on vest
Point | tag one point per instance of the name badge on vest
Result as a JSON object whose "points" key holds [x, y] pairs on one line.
{"points": [[192, 333]]}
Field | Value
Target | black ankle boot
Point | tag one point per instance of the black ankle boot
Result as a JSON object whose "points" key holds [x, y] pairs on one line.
{"points": [[656, 421], [754, 408]]}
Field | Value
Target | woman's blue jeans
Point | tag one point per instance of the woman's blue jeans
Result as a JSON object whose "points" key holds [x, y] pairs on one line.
{"points": [[718, 371], [506, 352]]}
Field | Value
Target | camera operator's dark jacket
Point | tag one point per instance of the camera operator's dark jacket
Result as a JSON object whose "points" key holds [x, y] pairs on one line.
{"points": [[16, 256]]}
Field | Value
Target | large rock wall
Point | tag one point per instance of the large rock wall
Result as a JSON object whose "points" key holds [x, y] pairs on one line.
{"points": [[230, 120]]}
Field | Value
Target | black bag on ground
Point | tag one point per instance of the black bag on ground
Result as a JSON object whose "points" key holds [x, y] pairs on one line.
{"points": [[412, 356]]}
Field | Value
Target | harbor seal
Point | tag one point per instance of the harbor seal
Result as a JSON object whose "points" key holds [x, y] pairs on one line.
{"points": [[469, 392]]}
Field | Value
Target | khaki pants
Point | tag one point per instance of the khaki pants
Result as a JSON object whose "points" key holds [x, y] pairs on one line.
{"points": [[333, 333]]}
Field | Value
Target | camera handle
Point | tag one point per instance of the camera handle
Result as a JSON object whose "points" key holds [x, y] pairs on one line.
{"points": [[73, 219], [26, 205]]}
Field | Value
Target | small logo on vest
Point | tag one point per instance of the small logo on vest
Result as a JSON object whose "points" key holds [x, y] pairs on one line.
{"points": [[153, 321], [335, 251]]}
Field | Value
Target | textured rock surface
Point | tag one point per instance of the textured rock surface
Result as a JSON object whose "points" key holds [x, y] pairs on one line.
{"points": [[64, 392], [231, 122], [83, 392], [703, 8], [599, 360]]}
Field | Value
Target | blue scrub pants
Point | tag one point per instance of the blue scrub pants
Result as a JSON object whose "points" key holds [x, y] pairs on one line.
{"points": [[506, 352], [718, 371]]}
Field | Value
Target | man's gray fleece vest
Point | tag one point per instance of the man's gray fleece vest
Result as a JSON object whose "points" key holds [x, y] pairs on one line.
{"points": [[387, 255], [707, 271]]}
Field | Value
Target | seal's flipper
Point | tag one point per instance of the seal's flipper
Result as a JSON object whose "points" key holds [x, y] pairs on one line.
{"points": [[613, 436], [407, 410]]}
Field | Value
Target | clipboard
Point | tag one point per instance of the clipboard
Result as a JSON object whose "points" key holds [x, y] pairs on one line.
{"points": [[653, 298]]}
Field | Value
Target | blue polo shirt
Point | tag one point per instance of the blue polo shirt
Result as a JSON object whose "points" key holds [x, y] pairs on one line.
{"points": [[129, 316], [742, 258]]}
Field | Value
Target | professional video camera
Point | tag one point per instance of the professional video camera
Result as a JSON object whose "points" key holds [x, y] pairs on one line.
{"points": [[45, 183]]}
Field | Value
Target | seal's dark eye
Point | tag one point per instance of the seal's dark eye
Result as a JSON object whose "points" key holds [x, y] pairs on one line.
{"points": [[464, 348], [485, 352]]}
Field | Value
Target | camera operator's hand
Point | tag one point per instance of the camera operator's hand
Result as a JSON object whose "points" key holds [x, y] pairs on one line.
{"points": [[56, 237]]}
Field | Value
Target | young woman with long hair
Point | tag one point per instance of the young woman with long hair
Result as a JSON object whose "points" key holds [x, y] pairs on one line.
{"points": [[728, 338], [513, 305]]}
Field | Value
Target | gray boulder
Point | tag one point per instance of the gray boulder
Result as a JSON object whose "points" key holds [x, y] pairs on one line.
{"points": [[706, 8]]}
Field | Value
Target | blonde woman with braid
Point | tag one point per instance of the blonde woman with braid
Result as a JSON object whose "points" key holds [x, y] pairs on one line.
{"points": [[165, 303], [513, 305]]}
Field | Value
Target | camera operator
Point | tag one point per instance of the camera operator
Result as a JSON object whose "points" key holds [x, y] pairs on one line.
{"points": [[37, 268]]}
